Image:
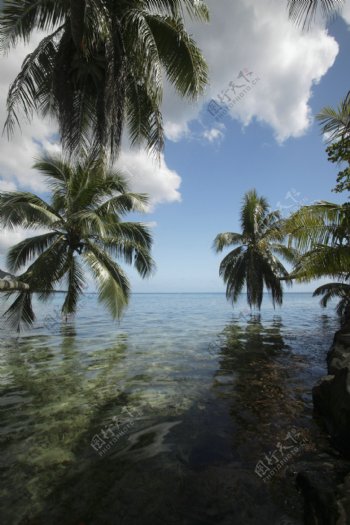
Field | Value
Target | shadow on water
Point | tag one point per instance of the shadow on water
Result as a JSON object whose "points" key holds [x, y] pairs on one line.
{"points": [[193, 467]]}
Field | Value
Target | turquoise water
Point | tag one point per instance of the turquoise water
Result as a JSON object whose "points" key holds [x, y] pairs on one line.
{"points": [[186, 412]]}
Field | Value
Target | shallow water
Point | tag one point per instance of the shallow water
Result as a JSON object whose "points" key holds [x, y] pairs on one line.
{"points": [[186, 412]]}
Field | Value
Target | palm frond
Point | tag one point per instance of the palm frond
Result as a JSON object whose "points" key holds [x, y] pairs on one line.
{"points": [[253, 212], [320, 223], [223, 240], [76, 282], [332, 290], [323, 261], [20, 313], [19, 18], [132, 253], [335, 122], [304, 11], [27, 92], [234, 275], [20, 254], [113, 286], [26, 210], [190, 75], [124, 203]]}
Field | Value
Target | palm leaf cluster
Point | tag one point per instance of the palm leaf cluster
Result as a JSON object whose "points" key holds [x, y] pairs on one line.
{"points": [[322, 234], [83, 231], [255, 262], [102, 66]]}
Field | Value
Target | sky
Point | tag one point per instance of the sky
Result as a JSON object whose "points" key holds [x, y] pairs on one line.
{"points": [[276, 78]]}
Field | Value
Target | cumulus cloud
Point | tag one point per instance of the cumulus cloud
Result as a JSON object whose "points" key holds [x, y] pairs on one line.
{"points": [[151, 176], [241, 35], [258, 36]]}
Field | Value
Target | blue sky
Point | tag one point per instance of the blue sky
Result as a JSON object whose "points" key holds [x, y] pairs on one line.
{"points": [[269, 140], [215, 177]]}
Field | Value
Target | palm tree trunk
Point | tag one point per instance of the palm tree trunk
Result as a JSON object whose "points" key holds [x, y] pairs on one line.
{"points": [[77, 13], [6, 285]]}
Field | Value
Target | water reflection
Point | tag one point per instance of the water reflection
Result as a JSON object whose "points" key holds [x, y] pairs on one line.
{"points": [[51, 394], [185, 458]]}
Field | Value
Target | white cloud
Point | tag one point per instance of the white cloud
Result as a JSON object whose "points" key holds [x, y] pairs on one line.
{"points": [[6, 185], [259, 36], [176, 131], [245, 34], [148, 175], [213, 134]]}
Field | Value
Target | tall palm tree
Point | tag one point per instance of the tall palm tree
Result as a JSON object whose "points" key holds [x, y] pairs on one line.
{"points": [[254, 262], [304, 11], [84, 231], [102, 65]]}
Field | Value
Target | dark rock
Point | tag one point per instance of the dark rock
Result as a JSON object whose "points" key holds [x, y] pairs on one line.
{"points": [[325, 481], [325, 486], [331, 396]]}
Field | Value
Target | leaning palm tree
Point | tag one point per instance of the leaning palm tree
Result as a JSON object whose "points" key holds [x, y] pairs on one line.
{"points": [[304, 11], [84, 231], [254, 261], [101, 66]]}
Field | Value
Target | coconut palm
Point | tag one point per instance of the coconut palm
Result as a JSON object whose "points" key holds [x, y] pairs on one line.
{"points": [[101, 65], [83, 230], [254, 261], [304, 11]]}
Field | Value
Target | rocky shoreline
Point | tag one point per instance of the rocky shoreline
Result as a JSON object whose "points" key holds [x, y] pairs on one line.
{"points": [[324, 480]]}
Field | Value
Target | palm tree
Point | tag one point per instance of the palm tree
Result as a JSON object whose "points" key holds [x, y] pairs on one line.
{"points": [[304, 11], [84, 231], [254, 262], [101, 66]]}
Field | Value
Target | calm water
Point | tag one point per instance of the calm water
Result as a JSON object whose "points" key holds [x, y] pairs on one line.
{"points": [[176, 415]]}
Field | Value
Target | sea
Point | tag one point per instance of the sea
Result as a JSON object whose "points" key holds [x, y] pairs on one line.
{"points": [[187, 411]]}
